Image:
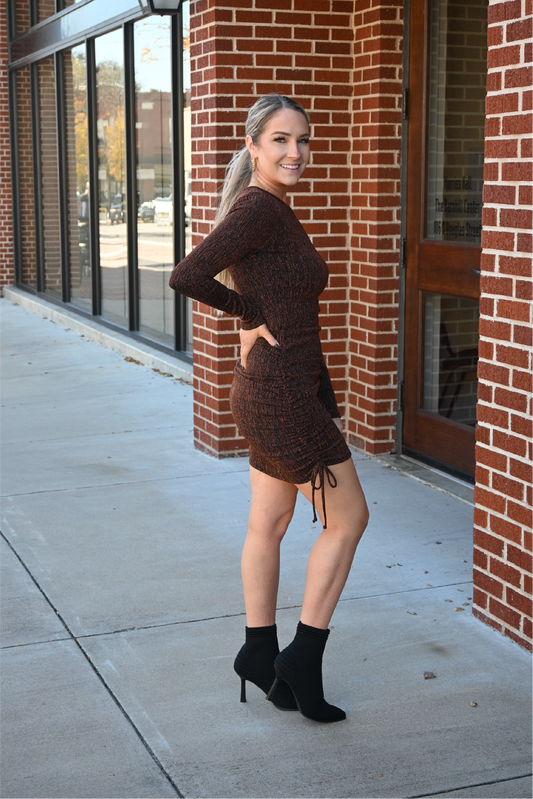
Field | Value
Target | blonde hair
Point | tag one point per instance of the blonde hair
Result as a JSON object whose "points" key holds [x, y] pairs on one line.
{"points": [[239, 169]]}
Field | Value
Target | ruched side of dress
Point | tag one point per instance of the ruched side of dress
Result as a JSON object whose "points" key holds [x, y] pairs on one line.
{"points": [[283, 402]]}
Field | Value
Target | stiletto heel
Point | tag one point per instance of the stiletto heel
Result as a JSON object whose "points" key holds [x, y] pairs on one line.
{"points": [[255, 663], [272, 690], [300, 666]]}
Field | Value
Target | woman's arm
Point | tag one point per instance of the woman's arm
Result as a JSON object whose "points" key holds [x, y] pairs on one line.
{"points": [[248, 227]]}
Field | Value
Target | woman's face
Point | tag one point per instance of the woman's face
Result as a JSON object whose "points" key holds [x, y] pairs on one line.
{"points": [[281, 153]]}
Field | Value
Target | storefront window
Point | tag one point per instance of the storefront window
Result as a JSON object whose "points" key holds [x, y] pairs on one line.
{"points": [[79, 255], [49, 178], [155, 197], [451, 340], [109, 52], [187, 137], [85, 179], [458, 76], [26, 181]]}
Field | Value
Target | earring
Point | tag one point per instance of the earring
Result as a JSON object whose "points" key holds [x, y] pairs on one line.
{"points": [[253, 164]]}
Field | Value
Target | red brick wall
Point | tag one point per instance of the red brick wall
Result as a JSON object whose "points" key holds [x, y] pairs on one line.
{"points": [[503, 514], [45, 9], [22, 14], [26, 181], [241, 49], [6, 219], [375, 224]]}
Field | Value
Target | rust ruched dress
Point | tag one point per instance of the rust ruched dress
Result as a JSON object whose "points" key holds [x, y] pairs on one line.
{"points": [[283, 402]]}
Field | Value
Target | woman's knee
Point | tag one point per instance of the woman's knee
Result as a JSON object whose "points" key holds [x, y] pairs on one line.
{"points": [[272, 527]]}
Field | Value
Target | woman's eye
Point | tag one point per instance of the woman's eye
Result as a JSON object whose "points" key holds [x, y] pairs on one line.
{"points": [[280, 138], [304, 141]]}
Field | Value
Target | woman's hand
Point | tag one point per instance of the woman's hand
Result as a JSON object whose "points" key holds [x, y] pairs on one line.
{"points": [[249, 337]]}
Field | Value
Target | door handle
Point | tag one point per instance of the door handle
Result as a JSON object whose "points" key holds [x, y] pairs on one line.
{"points": [[476, 271]]}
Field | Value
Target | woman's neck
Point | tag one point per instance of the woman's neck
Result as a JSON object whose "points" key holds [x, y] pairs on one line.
{"points": [[279, 192]]}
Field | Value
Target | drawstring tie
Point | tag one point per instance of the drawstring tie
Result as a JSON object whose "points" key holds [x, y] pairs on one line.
{"points": [[318, 483]]}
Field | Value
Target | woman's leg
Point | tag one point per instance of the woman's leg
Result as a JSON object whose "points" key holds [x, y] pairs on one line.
{"points": [[271, 510], [300, 664], [332, 555]]}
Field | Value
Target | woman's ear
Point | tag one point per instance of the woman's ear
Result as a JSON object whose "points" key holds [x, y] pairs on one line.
{"points": [[251, 146]]}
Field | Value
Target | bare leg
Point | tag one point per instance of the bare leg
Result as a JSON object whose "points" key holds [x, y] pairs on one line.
{"points": [[271, 510], [332, 555]]}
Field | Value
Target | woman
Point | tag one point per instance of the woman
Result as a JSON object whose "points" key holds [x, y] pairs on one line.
{"points": [[282, 400]]}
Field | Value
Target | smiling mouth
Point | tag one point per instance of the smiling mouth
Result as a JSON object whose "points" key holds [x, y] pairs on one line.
{"points": [[291, 167]]}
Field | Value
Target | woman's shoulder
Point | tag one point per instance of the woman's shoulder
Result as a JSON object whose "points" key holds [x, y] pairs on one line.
{"points": [[259, 200]]}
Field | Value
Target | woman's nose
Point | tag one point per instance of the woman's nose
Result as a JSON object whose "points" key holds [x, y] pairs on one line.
{"points": [[294, 150]]}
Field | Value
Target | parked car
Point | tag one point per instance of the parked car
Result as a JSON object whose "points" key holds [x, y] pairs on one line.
{"points": [[117, 209], [147, 212]]}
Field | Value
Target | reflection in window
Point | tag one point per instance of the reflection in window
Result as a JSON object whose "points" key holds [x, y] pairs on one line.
{"points": [[456, 123], [45, 9], [49, 177], [155, 231], [27, 190], [109, 52], [22, 13], [187, 136], [79, 253], [451, 338]]}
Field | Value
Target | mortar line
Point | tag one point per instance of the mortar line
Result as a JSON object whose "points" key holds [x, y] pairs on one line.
{"points": [[99, 676]]}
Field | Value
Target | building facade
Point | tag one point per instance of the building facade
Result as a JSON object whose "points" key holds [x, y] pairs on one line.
{"points": [[418, 196]]}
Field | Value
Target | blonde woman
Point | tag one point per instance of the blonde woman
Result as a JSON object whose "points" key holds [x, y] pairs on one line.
{"points": [[282, 401]]}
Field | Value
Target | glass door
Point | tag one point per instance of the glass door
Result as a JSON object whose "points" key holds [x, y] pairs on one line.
{"points": [[444, 203]]}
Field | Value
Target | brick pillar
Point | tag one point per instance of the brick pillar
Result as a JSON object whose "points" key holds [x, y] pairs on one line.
{"points": [[239, 51], [375, 224], [6, 218], [503, 513]]}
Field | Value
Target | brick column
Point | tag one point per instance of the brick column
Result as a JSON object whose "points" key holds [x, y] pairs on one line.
{"points": [[6, 217], [240, 50], [375, 224], [503, 513]]}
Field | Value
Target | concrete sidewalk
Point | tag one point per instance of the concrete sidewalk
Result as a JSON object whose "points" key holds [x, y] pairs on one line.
{"points": [[122, 611]]}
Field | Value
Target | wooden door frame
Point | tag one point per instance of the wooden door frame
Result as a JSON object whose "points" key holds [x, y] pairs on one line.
{"points": [[414, 278]]}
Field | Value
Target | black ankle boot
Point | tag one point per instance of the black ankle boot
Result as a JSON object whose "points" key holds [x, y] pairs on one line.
{"points": [[255, 663], [300, 666]]}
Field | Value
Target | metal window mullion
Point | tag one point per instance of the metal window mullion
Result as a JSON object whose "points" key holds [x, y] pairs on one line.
{"points": [[37, 176], [92, 146], [61, 132], [34, 12], [178, 177], [11, 9], [15, 177], [131, 177]]}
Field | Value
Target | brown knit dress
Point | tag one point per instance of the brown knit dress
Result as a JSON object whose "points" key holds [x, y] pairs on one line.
{"points": [[283, 402]]}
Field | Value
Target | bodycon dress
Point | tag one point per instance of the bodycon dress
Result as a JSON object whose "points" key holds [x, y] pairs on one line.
{"points": [[283, 402]]}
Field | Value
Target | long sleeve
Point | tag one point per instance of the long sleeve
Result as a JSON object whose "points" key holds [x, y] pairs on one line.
{"points": [[326, 395], [246, 229]]}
